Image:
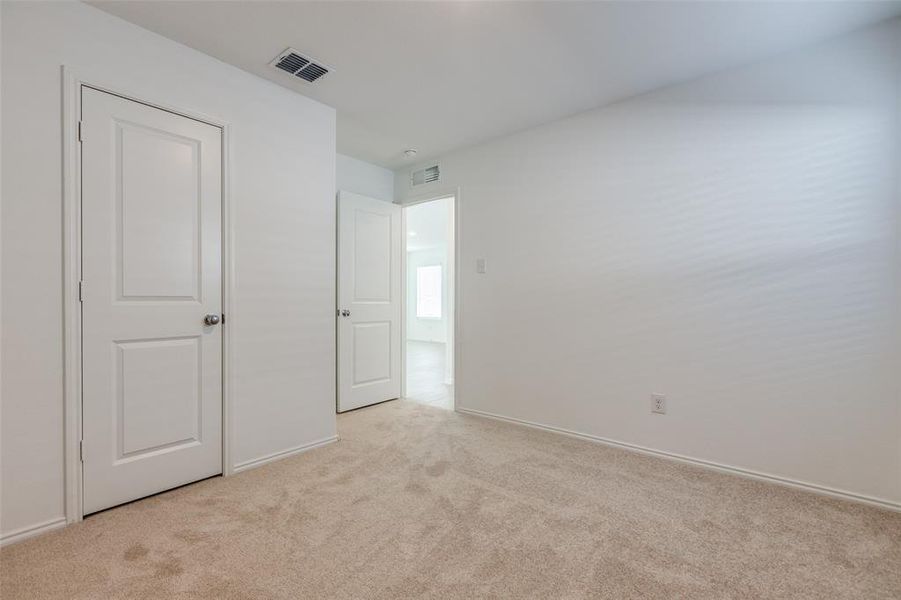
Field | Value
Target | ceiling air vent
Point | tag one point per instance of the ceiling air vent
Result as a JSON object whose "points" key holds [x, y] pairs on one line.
{"points": [[293, 62], [429, 174]]}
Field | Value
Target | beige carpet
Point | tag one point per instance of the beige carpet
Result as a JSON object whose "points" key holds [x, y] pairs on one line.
{"points": [[419, 502]]}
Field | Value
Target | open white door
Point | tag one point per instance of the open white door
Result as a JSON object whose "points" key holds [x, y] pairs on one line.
{"points": [[369, 302], [151, 301]]}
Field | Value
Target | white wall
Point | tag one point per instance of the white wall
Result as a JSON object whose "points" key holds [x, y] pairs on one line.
{"points": [[426, 330], [732, 242], [364, 178], [282, 184]]}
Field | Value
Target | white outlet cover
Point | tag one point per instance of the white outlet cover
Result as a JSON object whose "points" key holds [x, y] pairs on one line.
{"points": [[658, 404], [481, 265]]}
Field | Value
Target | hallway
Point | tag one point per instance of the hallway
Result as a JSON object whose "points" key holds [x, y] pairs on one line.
{"points": [[425, 375]]}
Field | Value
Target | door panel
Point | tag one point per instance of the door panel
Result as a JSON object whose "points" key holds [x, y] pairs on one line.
{"points": [[372, 256], [159, 235], [151, 271], [369, 288], [372, 352], [158, 394]]}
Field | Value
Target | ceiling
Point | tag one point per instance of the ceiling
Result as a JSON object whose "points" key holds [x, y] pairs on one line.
{"points": [[437, 76]]}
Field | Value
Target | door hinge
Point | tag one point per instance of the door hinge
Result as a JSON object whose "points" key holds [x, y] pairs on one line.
{"points": [[80, 129], [81, 291], [81, 450]]}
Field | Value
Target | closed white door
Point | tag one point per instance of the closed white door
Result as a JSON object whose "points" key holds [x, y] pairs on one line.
{"points": [[369, 308], [151, 273]]}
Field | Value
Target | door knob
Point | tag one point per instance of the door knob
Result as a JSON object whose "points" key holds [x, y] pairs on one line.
{"points": [[211, 320], [345, 313]]}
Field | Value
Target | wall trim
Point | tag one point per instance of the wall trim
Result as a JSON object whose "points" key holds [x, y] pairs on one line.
{"points": [[722, 468], [259, 462], [24, 533]]}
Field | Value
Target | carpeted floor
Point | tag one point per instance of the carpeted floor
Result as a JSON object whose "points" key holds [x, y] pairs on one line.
{"points": [[420, 502]]}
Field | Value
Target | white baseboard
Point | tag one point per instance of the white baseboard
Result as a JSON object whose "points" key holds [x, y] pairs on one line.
{"points": [[811, 487], [24, 533], [258, 462]]}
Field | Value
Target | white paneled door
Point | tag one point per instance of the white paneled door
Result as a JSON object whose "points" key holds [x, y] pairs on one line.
{"points": [[151, 299], [369, 305]]}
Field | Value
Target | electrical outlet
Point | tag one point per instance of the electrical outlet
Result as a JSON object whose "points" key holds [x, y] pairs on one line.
{"points": [[658, 404], [481, 265]]}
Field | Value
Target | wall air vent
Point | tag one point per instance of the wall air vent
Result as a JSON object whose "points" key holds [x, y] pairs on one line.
{"points": [[293, 62], [430, 174]]}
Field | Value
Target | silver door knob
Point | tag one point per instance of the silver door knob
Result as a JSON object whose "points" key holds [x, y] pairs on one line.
{"points": [[345, 313], [211, 320]]}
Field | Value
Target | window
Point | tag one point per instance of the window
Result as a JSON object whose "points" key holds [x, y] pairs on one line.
{"points": [[428, 292]]}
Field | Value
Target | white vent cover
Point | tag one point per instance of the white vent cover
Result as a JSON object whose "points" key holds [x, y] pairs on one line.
{"points": [[429, 174], [293, 62]]}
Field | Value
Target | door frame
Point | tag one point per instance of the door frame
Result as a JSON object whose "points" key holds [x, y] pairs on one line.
{"points": [[72, 82], [457, 194]]}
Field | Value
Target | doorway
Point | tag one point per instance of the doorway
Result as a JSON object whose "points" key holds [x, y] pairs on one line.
{"points": [[150, 299], [430, 275]]}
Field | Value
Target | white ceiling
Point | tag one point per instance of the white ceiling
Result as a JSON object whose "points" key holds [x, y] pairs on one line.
{"points": [[442, 75]]}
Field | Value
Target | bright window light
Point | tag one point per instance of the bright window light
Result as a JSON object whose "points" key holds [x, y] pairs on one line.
{"points": [[428, 292]]}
